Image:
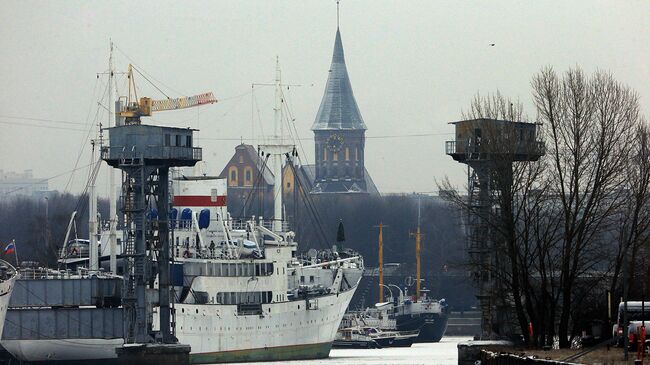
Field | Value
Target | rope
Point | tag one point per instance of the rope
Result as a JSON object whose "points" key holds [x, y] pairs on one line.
{"points": [[257, 182], [85, 140], [310, 205]]}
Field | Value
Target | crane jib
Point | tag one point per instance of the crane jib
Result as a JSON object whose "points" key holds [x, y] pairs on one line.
{"points": [[183, 102]]}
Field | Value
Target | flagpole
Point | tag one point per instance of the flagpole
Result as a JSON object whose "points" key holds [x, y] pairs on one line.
{"points": [[15, 251]]}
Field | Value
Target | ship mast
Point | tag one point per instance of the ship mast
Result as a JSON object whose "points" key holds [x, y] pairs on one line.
{"points": [[277, 159], [277, 148], [381, 262], [112, 198], [418, 242], [417, 257], [92, 216]]}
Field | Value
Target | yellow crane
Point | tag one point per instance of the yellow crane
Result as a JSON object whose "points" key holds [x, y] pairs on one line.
{"points": [[143, 107]]}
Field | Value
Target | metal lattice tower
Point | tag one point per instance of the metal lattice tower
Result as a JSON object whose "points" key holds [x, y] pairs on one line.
{"points": [[145, 153], [489, 147]]}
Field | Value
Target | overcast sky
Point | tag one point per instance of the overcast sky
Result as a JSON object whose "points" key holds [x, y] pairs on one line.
{"points": [[414, 66]]}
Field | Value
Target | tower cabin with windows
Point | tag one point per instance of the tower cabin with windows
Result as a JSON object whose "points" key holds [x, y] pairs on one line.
{"points": [[151, 144], [494, 140]]}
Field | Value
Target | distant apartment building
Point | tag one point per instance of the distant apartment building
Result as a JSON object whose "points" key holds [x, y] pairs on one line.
{"points": [[22, 183]]}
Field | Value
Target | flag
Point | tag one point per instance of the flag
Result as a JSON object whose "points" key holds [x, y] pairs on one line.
{"points": [[11, 247]]}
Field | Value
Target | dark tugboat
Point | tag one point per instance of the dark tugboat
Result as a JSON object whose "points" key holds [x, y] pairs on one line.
{"points": [[427, 315], [421, 313]]}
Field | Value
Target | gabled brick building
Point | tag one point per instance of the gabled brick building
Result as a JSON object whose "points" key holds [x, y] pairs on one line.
{"points": [[250, 184]]}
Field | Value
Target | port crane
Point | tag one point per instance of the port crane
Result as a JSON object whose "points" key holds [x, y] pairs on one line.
{"points": [[135, 108]]}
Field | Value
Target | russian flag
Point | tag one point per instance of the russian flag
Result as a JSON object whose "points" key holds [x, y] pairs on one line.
{"points": [[11, 247]]}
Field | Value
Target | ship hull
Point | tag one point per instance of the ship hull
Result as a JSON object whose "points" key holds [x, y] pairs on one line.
{"points": [[433, 329], [100, 351], [280, 353], [6, 288], [288, 331], [432, 326], [103, 352]]}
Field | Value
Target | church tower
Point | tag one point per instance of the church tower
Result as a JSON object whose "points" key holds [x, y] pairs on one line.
{"points": [[339, 133]]}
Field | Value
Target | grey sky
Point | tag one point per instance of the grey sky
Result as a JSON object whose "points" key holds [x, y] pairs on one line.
{"points": [[414, 65]]}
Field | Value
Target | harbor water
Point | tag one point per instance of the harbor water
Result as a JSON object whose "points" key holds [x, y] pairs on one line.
{"points": [[441, 353]]}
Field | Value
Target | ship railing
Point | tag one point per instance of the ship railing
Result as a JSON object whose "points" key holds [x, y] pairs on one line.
{"points": [[180, 224], [241, 224], [268, 224], [34, 273], [469, 147], [124, 153], [235, 224], [333, 262]]}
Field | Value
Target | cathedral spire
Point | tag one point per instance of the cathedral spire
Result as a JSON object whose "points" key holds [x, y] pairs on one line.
{"points": [[338, 109], [337, 15]]}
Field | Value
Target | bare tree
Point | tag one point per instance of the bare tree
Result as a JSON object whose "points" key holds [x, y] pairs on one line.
{"points": [[495, 106], [590, 124], [634, 217], [560, 220], [515, 182]]}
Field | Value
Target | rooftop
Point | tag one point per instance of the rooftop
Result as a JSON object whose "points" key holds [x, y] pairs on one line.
{"points": [[338, 108]]}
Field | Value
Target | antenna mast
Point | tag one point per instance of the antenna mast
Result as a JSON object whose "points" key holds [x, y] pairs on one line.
{"points": [[337, 14]]}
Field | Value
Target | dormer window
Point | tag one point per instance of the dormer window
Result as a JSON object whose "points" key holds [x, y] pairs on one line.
{"points": [[233, 178]]}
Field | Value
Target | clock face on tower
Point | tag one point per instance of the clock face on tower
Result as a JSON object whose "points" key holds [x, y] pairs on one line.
{"points": [[335, 142]]}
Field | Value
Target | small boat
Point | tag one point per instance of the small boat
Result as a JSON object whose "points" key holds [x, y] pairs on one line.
{"points": [[391, 338], [354, 338]]}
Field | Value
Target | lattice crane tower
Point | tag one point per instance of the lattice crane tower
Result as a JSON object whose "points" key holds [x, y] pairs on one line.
{"points": [[145, 153], [489, 147]]}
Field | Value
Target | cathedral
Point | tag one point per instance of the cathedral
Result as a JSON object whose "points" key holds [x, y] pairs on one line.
{"points": [[339, 140], [339, 135]]}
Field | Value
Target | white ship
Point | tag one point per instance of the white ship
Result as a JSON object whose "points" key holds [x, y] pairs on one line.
{"points": [[245, 295], [241, 292]]}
